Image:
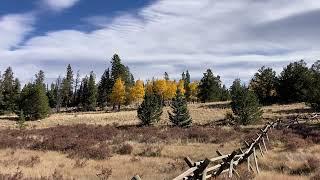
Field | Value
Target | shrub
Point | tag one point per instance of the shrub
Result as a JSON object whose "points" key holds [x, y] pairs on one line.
{"points": [[125, 149]]}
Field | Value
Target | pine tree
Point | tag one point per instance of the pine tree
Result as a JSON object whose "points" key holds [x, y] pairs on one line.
{"points": [[225, 94], [314, 89], [209, 87], [150, 111], [67, 88], [180, 115], [34, 101], [187, 82], [118, 93], [104, 89], [21, 123], [264, 85], [10, 90], [92, 93], [245, 104], [166, 76], [75, 91], [294, 82], [118, 70]]}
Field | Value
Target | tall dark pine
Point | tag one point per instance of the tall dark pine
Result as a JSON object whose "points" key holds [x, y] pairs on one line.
{"points": [[264, 85], [180, 115], [118, 70], [150, 111], [294, 82], [187, 82], [314, 90], [209, 87], [10, 89], [104, 89], [76, 88], [67, 88], [166, 76], [92, 93]]}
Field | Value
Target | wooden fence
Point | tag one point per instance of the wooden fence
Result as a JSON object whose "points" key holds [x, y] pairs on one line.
{"points": [[227, 163]]}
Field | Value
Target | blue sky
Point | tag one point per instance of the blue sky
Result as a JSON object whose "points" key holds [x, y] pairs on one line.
{"points": [[234, 38]]}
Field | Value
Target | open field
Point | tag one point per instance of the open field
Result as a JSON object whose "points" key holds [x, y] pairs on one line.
{"points": [[201, 114], [78, 149]]}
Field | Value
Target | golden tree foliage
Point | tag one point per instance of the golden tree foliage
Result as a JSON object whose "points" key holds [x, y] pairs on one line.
{"points": [[160, 87], [137, 91], [149, 87], [194, 90], [171, 90], [181, 87], [118, 94]]}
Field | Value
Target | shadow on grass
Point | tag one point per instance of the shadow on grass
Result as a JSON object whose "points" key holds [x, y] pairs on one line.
{"points": [[292, 111], [9, 118], [217, 106]]}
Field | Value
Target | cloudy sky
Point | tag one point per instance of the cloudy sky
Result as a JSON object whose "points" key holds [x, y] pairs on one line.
{"points": [[233, 38]]}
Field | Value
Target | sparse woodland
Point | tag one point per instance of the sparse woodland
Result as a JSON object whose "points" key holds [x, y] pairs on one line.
{"points": [[115, 127]]}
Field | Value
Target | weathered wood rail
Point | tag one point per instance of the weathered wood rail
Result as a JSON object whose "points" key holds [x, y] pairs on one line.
{"points": [[227, 163]]}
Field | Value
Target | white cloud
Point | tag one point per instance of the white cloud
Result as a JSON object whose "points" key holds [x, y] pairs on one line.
{"points": [[13, 28], [233, 37], [60, 4]]}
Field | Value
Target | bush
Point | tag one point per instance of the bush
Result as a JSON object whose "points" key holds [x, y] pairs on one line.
{"points": [[125, 149], [245, 104]]}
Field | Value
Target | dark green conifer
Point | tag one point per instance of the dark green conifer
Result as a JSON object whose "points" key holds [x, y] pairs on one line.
{"points": [[180, 115]]}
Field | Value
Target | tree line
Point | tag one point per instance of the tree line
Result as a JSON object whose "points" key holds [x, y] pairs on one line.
{"points": [[117, 87]]}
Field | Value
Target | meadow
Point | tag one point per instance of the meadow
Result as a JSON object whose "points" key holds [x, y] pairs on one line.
{"points": [[112, 145]]}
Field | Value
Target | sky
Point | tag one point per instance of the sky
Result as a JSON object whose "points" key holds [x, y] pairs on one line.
{"points": [[234, 38]]}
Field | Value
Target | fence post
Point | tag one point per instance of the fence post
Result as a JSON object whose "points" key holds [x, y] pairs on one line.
{"points": [[255, 160], [137, 177]]}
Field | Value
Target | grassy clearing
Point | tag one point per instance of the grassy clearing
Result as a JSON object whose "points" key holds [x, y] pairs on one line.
{"points": [[78, 148]]}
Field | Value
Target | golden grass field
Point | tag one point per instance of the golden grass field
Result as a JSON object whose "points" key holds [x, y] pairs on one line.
{"points": [[168, 163]]}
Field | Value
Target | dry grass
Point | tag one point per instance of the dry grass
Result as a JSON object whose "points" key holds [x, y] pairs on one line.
{"points": [[200, 113], [154, 153]]}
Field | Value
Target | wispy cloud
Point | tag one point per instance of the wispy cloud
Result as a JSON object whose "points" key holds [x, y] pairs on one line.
{"points": [[13, 29], [232, 37], [58, 5]]}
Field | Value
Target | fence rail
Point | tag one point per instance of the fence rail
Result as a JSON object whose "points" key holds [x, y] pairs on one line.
{"points": [[227, 163]]}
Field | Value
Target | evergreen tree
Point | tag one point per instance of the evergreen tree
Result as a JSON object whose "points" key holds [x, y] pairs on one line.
{"points": [[187, 82], [51, 96], [34, 101], [314, 90], [21, 123], [294, 82], [225, 94], [209, 87], [75, 91], [104, 89], [264, 85], [92, 93], [67, 88], [150, 111], [166, 76], [180, 115], [245, 104], [118, 70], [10, 90]]}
